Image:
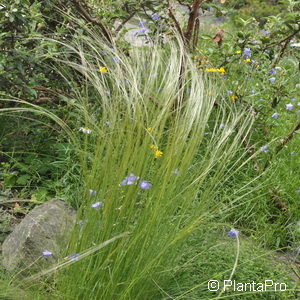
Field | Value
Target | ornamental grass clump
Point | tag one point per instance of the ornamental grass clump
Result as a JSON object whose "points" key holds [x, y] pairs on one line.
{"points": [[135, 210]]}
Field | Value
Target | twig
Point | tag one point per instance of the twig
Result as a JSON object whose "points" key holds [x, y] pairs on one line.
{"points": [[79, 6], [43, 100], [185, 4], [125, 21], [250, 150], [288, 138], [194, 14], [283, 48], [50, 91], [178, 28], [283, 143], [196, 34], [279, 203], [282, 41]]}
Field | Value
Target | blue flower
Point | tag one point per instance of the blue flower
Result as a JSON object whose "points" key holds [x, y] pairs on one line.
{"points": [[230, 92], [142, 24], [233, 233], [97, 205], [252, 92], [142, 30], [47, 254], [175, 172], [116, 59], [272, 79], [289, 106], [145, 185], [247, 52], [92, 192], [275, 115], [74, 256], [273, 72], [222, 126], [264, 31], [264, 149], [155, 17], [293, 99], [107, 123], [129, 180]]}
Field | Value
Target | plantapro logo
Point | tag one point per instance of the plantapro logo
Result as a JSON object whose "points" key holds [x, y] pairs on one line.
{"points": [[233, 285]]}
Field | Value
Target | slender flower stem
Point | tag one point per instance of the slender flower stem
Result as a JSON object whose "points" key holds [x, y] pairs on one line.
{"points": [[234, 266]]}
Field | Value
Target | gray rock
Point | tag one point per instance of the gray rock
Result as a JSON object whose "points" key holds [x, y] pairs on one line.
{"points": [[46, 227], [131, 30]]}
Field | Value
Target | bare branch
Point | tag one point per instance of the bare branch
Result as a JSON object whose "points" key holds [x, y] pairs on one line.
{"points": [[288, 38], [178, 28], [282, 51], [250, 149], [50, 91], [185, 4], [125, 21], [194, 14], [83, 11], [288, 138]]}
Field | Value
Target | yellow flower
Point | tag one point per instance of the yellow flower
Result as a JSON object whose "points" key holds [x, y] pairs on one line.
{"points": [[238, 51], [211, 70], [149, 129], [158, 153], [221, 71], [233, 97], [196, 57], [103, 69], [153, 147], [203, 60], [214, 70], [247, 60]]}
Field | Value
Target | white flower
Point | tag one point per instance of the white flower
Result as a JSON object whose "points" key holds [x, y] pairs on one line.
{"points": [[85, 130], [97, 205]]}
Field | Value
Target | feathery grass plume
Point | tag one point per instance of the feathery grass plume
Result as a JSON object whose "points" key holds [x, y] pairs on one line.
{"points": [[159, 218]]}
